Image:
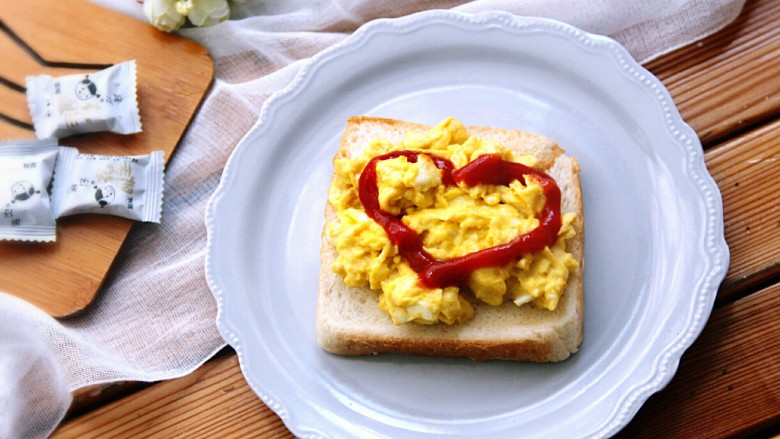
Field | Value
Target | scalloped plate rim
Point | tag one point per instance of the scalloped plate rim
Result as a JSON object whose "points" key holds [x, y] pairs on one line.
{"points": [[716, 265]]}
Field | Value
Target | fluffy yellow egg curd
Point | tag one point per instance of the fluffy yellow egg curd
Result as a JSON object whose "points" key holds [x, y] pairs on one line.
{"points": [[452, 221]]}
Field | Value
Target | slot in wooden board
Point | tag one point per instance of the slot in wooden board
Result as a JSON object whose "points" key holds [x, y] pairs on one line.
{"points": [[174, 74]]}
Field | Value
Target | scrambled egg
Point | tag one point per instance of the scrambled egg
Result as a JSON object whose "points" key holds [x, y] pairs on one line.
{"points": [[452, 221]]}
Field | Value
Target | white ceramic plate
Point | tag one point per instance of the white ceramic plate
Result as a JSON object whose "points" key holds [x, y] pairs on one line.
{"points": [[655, 251]]}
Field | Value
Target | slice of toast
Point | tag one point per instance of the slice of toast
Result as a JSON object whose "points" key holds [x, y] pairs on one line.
{"points": [[349, 321]]}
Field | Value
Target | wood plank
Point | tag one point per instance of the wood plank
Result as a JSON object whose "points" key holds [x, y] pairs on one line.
{"points": [[747, 170], [62, 278], [213, 401], [730, 367], [729, 81], [728, 383]]}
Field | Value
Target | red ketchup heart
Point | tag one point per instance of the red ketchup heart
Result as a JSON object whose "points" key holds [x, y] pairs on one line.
{"points": [[486, 169]]}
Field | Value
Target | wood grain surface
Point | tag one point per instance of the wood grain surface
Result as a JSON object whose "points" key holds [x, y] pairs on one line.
{"points": [[747, 170], [729, 82], [214, 401], [728, 382], [173, 76]]}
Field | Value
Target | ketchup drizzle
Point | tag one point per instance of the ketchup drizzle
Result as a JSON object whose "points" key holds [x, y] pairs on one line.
{"points": [[486, 169]]}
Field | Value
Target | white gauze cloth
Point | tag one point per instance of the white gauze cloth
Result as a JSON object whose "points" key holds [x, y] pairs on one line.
{"points": [[154, 318]]}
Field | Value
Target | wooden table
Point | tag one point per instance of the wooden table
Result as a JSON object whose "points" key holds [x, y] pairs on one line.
{"points": [[728, 384]]}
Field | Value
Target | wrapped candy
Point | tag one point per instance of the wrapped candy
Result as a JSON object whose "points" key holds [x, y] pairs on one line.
{"points": [[101, 101], [26, 168], [126, 186]]}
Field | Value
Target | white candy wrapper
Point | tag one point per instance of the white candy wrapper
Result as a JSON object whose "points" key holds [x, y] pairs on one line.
{"points": [[127, 186], [26, 168], [101, 101]]}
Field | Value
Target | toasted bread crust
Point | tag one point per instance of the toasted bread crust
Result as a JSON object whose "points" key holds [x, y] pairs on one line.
{"points": [[349, 321]]}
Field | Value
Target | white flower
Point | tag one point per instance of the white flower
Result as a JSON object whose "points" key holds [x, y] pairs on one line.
{"points": [[184, 7], [163, 14], [209, 12]]}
